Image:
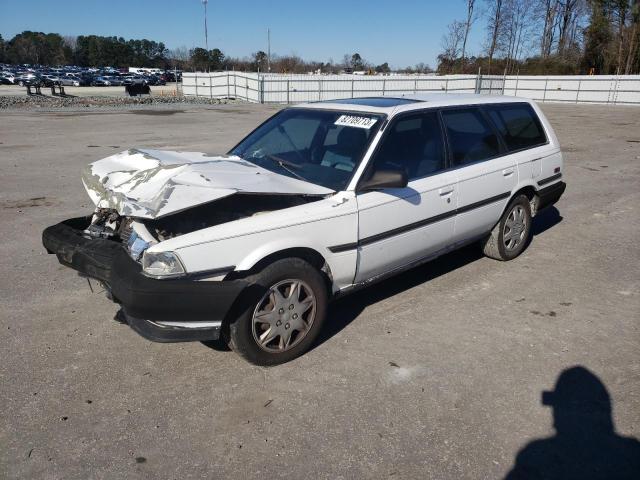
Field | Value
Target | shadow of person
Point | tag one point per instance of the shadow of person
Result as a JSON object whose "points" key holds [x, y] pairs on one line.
{"points": [[586, 445]]}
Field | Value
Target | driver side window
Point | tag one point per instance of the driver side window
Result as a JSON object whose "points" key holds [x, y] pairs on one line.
{"points": [[414, 144]]}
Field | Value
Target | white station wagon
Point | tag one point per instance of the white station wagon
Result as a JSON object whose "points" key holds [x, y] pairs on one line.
{"points": [[318, 201]]}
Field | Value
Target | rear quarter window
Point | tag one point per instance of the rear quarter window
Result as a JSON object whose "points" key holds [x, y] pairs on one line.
{"points": [[471, 138], [518, 125]]}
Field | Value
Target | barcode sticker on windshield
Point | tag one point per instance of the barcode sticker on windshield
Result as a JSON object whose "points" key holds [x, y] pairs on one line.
{"points": [[355, 121]]}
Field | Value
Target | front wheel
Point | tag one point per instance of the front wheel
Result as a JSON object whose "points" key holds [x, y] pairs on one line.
{"points": [[282, 314], [511, 235]]}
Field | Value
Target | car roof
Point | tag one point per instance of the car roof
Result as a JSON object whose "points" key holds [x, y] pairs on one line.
{"points": [[400, 103]]}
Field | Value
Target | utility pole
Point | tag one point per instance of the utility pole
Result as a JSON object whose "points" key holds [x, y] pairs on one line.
{"points": [[206, 37], [269, 50]]}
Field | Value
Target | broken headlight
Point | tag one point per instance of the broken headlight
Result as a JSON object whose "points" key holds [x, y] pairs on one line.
{"points": [[161, 264], [136, 245]]}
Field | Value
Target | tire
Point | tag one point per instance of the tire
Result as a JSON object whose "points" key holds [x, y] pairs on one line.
{"points": [[296, 321], [512, 234]]}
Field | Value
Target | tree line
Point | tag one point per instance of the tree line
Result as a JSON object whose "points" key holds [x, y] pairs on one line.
{"points": [[52, 49], [546, 37], [37, 48]]}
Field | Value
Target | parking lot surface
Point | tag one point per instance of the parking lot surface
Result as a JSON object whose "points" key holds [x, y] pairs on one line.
{"points": [[436, 373]]}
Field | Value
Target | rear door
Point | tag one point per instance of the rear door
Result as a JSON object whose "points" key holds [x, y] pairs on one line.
{"points": [[402, 225], [523, 135], [486, 174]]}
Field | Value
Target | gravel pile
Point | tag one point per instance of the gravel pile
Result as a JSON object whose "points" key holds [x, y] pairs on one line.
{"points": [[42, 101]]}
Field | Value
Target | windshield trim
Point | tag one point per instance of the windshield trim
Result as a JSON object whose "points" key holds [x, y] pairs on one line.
{"points": [[384, 117]]}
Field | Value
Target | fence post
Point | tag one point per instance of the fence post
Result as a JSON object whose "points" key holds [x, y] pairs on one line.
{"points": [[288, 89], [228, 86], [384, 86], [446, 85], [235, 85], [261, 89], [578, 91], [210, 86], [319, 90], [415, 86], [517, 78], [504, 79], [544, 94], [352, 80], [479, 81]]}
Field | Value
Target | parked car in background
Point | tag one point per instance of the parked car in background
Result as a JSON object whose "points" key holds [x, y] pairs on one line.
{"points": [[7, 78], [134, 80], [69, 81], [49, 80], [100, 82], [114, 81], [320, 200], [27, 79]]}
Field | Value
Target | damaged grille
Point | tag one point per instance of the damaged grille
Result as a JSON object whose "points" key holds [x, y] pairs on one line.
{"points": [[125, 231], [107, 223]]}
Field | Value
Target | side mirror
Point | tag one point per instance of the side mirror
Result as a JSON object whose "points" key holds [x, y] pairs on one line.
{"points": [[385, 179]]}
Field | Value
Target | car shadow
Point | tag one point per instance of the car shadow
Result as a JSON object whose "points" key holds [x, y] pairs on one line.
{"points": [[586, 445], [343, 311]]}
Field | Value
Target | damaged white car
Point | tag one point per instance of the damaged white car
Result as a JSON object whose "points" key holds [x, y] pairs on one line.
{"points": [[319, 200]]}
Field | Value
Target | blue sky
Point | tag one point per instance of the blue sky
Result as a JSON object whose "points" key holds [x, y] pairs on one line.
{"points": [[401, 32]]}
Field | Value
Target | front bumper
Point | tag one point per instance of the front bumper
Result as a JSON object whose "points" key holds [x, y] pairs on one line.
{"points": [[170, 310]]}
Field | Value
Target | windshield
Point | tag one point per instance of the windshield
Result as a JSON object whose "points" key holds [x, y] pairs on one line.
{"points": [[318, 146]]}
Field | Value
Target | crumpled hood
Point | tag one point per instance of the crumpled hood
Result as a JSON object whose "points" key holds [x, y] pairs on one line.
{"points": [[154, 183]]}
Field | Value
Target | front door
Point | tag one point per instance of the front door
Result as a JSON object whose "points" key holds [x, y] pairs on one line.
{"points": [[402, 225]]}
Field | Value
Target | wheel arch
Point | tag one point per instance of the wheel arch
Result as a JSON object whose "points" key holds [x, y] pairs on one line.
{"points": [[530, 191], [255, 263]]}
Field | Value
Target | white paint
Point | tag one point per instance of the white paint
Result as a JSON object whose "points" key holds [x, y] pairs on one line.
{"points": [[155, 183], [146, 182]]}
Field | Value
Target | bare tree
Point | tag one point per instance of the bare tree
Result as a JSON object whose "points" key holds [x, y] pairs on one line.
{"points": [[494, 26], [452, 43], [634, 33], [550, 8], [516, 18], [467, 27], [568, 12], [179, 57], [70, 41]]}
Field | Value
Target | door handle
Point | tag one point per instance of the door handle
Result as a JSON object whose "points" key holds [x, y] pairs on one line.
{"points": [[445, 191], [508, 172]]}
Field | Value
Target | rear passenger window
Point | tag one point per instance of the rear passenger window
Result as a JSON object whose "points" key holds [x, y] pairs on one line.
{"points": [[518, 124], [471, 138], [414, 144]]}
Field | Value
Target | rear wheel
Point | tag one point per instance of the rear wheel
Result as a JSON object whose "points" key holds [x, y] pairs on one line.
{"points": [[282, 314], [511, 235]]}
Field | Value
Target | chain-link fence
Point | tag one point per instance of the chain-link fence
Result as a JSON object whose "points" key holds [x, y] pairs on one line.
{"points": [[285, 89]]}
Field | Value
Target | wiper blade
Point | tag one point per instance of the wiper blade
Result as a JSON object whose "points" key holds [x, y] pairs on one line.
{"points": [[286, 165]]}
